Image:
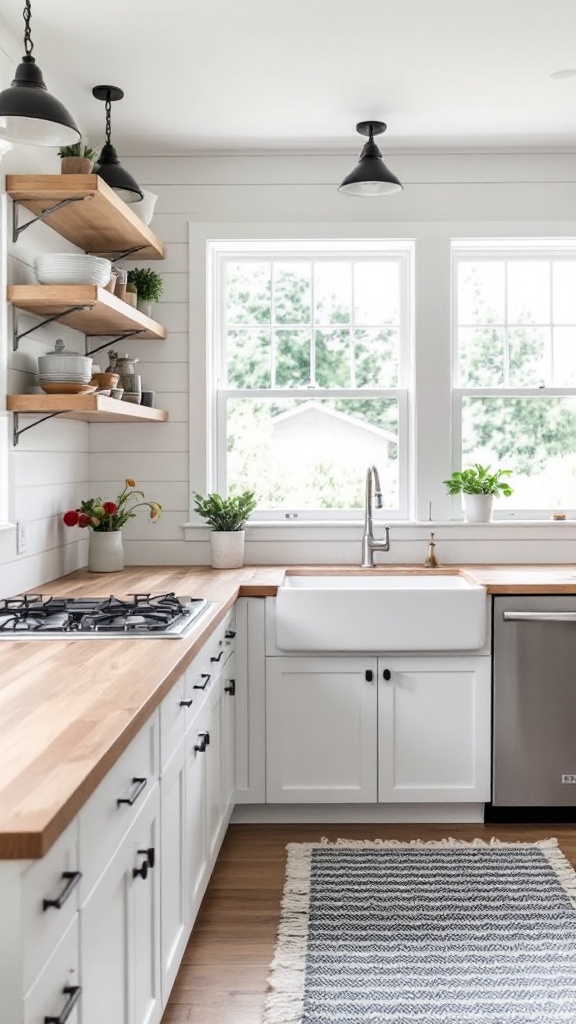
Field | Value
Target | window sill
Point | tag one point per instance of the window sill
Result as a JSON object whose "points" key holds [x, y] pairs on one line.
{"points": [[499, 529]]}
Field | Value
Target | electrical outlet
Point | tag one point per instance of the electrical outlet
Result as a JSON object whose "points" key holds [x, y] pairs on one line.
{"points": [[21, 538], [569, 780]]}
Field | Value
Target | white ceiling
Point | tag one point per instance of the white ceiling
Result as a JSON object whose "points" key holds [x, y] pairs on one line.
{"points": [[205, 75]]}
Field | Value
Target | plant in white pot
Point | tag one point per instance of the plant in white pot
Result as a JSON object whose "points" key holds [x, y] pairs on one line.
{"points": [[149, 287], [478, 485], [226, 518]]}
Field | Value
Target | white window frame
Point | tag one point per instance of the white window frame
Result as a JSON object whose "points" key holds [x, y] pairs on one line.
{"points": [[219, 252], [488, 250]]}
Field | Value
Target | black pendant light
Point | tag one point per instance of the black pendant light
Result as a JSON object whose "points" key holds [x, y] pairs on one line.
{"points": [[108, 165], [370, 177], [28, 113]]}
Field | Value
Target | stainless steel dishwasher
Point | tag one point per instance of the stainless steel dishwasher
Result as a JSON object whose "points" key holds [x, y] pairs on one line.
{"points": [[534, 730]]}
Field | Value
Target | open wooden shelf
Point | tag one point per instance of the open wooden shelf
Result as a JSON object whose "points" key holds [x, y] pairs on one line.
{"points": [[92, 408], [96, 221], [104, 313]]}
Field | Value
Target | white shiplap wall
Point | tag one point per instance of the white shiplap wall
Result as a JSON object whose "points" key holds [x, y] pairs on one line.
{"points": [[60, 462]]}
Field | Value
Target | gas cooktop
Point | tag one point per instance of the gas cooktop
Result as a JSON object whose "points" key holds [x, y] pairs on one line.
{"points": [[38, 617]]}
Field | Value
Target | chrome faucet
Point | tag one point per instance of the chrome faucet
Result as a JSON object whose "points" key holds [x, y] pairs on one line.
{"points": [[369, 545]]}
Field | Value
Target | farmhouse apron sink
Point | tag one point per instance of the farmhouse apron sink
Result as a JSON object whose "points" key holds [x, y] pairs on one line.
{"points": [[380, 613]]}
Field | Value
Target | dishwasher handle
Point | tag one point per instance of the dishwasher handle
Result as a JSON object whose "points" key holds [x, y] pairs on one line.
{"points": [[540, 616]]}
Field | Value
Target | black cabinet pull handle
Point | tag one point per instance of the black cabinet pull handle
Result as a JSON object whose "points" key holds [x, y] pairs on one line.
{"points": [[231, 688], [204, 740], [73, 992], [142, 871], [202, 686], [218, 658], [229, 634], [186, 703], [150, 854], [71, 878], [386, 674], [369, 675], [140, 784]]}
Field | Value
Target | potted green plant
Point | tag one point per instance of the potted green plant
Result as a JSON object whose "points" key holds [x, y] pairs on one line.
{"points": [[77, 158], [478, 485], [226, 518], [149, 286]]}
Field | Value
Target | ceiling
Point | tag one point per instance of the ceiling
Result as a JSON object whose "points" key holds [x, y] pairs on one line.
{"points": [[225, 75]]}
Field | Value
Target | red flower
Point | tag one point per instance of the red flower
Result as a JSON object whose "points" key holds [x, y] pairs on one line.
{"points": [[83, 519], [110, 508], [71, 518]]}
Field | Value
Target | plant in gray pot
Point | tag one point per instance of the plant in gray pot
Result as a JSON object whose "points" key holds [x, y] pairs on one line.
{"points": [[478, 485], [226, 518], [149, 287]]}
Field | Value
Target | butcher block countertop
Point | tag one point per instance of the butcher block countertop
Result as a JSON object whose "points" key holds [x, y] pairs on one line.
{"points": [[68, 708]]}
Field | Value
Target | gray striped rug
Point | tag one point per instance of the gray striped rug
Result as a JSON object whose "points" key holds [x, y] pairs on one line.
{"points": [[423, 933]]}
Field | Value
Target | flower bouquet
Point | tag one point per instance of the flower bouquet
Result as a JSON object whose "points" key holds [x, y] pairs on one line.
{"points": [[105, 516], [106, 519]]}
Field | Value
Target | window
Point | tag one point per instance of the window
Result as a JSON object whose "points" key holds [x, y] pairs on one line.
{"points": [[515, 368], [311, 352]]}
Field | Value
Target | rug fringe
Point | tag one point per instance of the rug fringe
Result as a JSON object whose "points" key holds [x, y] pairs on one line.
{"points": [[543, 844]]}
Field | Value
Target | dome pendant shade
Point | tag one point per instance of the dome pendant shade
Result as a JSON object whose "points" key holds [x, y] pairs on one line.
{"points": [[370, 177], [109, 168], [30, 115]]}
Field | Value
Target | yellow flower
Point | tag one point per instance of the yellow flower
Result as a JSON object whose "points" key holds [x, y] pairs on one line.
{"points": [[155, 509], [95, 521], [130, 482]]}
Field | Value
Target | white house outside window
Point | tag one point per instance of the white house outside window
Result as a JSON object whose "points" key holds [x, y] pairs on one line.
{"points": [[311, 347], [515, 368]]}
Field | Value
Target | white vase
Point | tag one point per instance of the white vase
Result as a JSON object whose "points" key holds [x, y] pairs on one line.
{"points": [[105, 551], [227, 549], [144, 306], [478, 508]]}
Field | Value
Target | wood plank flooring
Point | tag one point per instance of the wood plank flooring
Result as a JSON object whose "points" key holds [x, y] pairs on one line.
{"points": [[223, 976]]}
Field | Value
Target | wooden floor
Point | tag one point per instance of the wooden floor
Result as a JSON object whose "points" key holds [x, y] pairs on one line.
{"points": [[223, 976]]}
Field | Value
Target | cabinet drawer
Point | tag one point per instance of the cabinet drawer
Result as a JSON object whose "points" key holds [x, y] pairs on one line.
{"points": [[58, 986], [173, 715], [49, 901], [111, 809]]}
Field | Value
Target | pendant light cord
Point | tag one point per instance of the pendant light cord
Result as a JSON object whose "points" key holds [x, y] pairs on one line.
{"points": [[28, 44], [108, 118]]}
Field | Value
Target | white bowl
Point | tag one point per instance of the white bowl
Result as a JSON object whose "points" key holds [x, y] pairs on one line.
{"points": [[72, 268]]}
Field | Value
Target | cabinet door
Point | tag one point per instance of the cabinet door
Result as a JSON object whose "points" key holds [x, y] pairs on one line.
{"points": [[173, 868], [196, 866], [214, 769], [434, 729], [104, 945], [228, 739], [144, 930], [321, 730], [119, 931]]}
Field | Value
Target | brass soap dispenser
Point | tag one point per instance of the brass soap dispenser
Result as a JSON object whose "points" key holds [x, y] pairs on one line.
{"points": [[431, 562]]}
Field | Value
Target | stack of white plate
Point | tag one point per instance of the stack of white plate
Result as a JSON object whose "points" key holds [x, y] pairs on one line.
{"points": [[72, 268]]}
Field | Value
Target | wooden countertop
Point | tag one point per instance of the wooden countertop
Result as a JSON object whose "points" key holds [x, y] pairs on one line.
{"points": [[68, 708]]}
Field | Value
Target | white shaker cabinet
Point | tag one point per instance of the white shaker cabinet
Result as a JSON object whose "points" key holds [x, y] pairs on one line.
{"points": [[173, 867], [321, 721], [433, 729], [119, 930], [396, 729]]}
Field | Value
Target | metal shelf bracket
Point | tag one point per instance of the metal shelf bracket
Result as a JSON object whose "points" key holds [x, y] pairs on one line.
{"points": [[16, 433], [111, 341], [17, 337], [18, 229]]}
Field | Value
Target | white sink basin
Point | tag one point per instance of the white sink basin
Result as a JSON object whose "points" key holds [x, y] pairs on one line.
{"points": [[380, 613]]}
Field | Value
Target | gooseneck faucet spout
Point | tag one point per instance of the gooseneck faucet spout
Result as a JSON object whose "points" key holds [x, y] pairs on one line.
{"points": [[369, 545]]}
